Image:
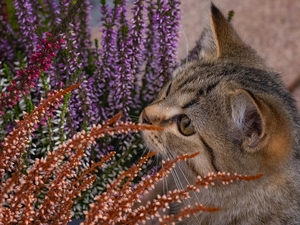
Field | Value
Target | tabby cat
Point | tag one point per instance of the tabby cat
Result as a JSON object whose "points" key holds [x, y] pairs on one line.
{"points": [[235, 110]]}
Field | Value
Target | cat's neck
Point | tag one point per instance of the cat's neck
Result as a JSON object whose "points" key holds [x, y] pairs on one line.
{"points": [[241, 201]]}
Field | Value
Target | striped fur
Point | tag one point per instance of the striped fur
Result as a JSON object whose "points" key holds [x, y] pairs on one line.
{"points": [[245, 122]]}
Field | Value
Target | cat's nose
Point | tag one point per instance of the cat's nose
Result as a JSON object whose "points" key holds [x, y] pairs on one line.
{"points": [[156, 114], [145, 118]]}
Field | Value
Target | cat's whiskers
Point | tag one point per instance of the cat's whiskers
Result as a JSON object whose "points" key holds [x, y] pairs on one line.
{"points": [[146, 147], [176, 178], [192, 191], [167, 187], [187, 46], [120, 141], [146, 151], [134, 118], [181, 186]]}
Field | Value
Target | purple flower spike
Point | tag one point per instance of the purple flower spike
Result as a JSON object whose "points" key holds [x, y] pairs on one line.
{"points": [[6, 44], [51, 13], [174, 25], [151, 82], [124, 79], [106, 67], [137, 32], [83, 32], [160, 49], [28, 19], [167, 18]]}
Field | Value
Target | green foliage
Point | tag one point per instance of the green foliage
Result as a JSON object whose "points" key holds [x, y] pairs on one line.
{"points": [[230, 15]]}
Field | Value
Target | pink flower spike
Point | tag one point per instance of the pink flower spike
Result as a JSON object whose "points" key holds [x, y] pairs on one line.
{"points": [[41, 59]]}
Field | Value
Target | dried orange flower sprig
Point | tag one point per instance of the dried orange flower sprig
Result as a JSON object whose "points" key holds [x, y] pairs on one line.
{"points": [[55, 176], [17, 140], [115, 205]]}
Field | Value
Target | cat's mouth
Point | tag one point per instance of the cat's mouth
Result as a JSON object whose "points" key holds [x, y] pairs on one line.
{"points": [[153, 141]]}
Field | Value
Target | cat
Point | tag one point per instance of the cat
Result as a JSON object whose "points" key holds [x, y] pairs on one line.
{"points": [[236, 111]]}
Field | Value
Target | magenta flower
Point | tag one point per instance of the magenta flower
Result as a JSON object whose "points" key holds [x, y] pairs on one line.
{"points": [[41, 59]]}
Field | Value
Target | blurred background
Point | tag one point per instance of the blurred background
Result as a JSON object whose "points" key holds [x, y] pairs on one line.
{"points": [[271, 27]]}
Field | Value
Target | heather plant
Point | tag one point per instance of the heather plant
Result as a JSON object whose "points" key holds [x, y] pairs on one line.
{"points": [[46, 45]]}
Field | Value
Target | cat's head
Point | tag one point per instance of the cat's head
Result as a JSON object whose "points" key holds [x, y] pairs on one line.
{"points": [[228, 105]]}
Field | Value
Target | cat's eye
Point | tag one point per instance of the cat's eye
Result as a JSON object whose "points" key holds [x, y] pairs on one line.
{"points": [[185, 125]]}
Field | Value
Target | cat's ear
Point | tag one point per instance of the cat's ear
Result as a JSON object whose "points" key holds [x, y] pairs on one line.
{"points": [[260, 125], [248, 119], [219, 39]]}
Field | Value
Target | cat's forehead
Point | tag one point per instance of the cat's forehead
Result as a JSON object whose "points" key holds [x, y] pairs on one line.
{"points": [[193, 77], [185, 76]]}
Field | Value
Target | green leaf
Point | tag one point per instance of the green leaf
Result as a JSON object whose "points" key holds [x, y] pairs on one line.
{"points": [[7, 73], [230, 15]]}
